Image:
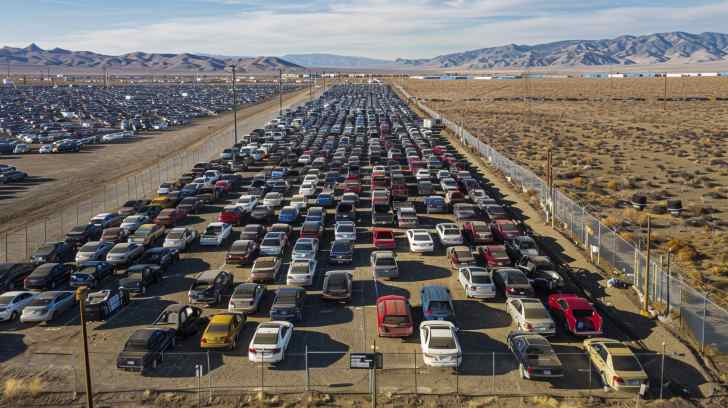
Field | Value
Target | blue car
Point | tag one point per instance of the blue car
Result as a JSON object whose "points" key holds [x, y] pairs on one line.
{"points": [[288, 215], [325, 200], [435, 204], [437, 303]]}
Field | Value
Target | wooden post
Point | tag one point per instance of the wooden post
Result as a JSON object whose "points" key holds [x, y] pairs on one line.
{"points": [[646, 297]]}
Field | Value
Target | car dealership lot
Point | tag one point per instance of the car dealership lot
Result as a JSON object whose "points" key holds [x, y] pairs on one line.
{"points": [[318, 350]]}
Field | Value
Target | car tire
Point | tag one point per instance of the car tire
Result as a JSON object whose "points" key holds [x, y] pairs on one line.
{"points": [[144, 290], [13, 316], [173, 344], [521, 371], [155, 363], [218, 300]]}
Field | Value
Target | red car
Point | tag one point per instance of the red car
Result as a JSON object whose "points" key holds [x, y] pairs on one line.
{"points": [[438, 150], [505, 230], [478, 232], [494, 255], [169, 217], [577, 314], [394, 317], [224, 185], [232, 215], [352, 187], [383, 238]]}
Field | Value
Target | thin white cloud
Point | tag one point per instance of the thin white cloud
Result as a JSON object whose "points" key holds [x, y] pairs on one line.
{"points": [[389, 29]]}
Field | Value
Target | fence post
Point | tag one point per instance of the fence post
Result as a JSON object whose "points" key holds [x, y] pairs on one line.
{"points": [[308, 377], [27, 251], [209, 377], [45, 230], [414, 354], [702, 332], [6, 247], [492, 372]]}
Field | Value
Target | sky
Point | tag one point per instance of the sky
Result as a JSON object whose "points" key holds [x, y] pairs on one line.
{"points": [[372, 28]]}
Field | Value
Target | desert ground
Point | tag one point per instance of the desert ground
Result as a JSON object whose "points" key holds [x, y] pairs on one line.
{"points": [[612, 138]]}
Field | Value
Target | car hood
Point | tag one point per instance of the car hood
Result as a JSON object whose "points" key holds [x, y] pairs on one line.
{"points": [[130, 281]]}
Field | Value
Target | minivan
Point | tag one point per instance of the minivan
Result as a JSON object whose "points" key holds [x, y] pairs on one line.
{"points": [[437, 303]]}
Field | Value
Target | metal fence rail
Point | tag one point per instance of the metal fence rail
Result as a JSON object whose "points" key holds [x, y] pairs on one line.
{"points": [[704, 320]]}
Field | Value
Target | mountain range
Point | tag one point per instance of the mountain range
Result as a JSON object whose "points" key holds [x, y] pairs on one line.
{"points": [[661, 48], [33, 55]]}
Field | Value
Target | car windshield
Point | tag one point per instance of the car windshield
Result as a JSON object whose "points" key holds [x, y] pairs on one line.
{"points": [[143, 230], [442, 342], [527, 245], [344, 207], [89, 247], [5, 300], [218, 328], [213, 230], [341, 246], [299, 268], [508, 227], [337, 282], [517, 278], [582, 313], [439, 306], [174, 235], [41, 301], [422, 237], [481, 279], [463, 254], [345, 228], [244, 292], [385, 261], [265, 263], [536, 313], [626, 363], [304, 246], [395, 319], [271, 242], [266, 336], [499, 254], [119, 249]]}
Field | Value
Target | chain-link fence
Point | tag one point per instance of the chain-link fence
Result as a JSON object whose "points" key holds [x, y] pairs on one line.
{"points": [[704, 320], [209, 373]]}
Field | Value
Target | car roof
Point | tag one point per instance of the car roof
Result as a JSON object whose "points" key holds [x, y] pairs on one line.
{"points": [[575, 301], [436, 292], [208, 275], [394, 305], [222, 318]]}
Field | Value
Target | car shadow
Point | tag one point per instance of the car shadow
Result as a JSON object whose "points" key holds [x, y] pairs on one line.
{"points": [[483, 355], [416, 271], [12, 345], [323, 351], [470, 315]]}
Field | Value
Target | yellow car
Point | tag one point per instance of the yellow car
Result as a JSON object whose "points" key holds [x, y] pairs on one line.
{"points": [[617, 365], [223, 331], [163, 201]]}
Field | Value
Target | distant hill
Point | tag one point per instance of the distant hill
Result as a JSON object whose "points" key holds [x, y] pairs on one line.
{"points": [[336, 61], [33, 55], [662, 48]]}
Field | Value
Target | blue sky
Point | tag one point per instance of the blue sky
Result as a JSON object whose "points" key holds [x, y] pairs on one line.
{"points": [[373, 28]]}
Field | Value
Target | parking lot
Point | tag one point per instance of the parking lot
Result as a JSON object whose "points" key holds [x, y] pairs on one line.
{"points": [[317, 357]]}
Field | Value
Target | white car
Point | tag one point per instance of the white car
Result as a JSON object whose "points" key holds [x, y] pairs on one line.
{"points": [[212, 175], [273, 199], [307, 190], [270, 341], [164, 188], [420, 240], [132, 222], [273, 244], [47, 305], [350, 198], [379, 170], [47, 148], [530, 315], [180, 238], [305, 159], [440, 345], [215, 234], [311, 178], [443, 174], [247, 203], [302, 272], [202, 181], [21, 148], [345, 230], [299, 202], [449, 233], [423, 174], [13, 303], [305, 249], [477, 282]]}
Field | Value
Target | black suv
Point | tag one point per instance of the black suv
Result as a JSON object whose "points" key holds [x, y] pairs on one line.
{"points": [[48, 276], [81, 234], [53, 252], [12, 275], [288, 304]]}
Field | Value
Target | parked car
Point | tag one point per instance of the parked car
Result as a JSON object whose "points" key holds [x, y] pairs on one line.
{"points": [[132, 206], [521, 246], [133, 222], [91, 273], [51, 252], [342, 252], [242, 252], [170, 217], [616, 364], [180, 238], [337, 286], [12, 304], [345, 230], [288, 304], [464, 212], [536, 358], [216, 234], [223, 331], [312, 229], [477, 282], [394, 316], [542, 272], [460, 256], [494, 256], [101, 304], [162, 257], [253, 232], [47, 305], [449, 234], [383, 238], [147, 235], [246, 298], [440, 345], [106, 220], [530, 315], [478, 232], [262, 214], [437, 303], [144, 349], [266, 268], [384, 264], [305, 249], [124, 254], [81, 234], [231, 215], [13, 274], [93, 251], [270, 341], [512, 283], [407, 217], [576, 314], [114, 235], [210, 286], [139, 278], [302, 272], [288, 214], [273, 244], [48, 276], [190, 205], [420, 240], [505, 230]]}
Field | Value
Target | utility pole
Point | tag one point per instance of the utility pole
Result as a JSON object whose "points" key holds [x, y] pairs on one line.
{"points": [[235, 109], [81, 298], [646, 295], [664, 94], [280, 93]]}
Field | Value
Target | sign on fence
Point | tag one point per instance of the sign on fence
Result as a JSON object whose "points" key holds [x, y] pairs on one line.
{"points": [[366, 361]]}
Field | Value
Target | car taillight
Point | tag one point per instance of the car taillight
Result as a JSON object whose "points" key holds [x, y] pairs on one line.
{"points": [[251, 350], [203, 340], [529, 326], [510, 290], [617, 380], [276, 350], [428, 312], [530, 370]]}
